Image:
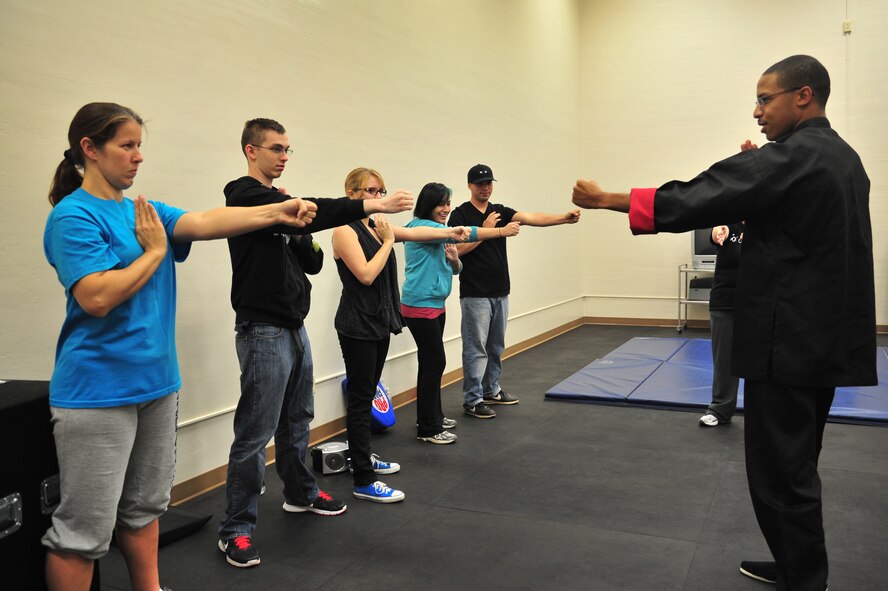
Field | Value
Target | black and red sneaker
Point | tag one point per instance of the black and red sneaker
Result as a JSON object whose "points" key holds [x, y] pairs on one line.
{"points": [[323, 505], [240, 551]]}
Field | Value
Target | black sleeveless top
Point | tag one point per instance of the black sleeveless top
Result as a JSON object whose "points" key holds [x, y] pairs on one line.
{"points": [[369, 312]]}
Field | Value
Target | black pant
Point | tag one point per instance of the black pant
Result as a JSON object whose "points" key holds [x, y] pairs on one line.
{"points": [[363, 368], [429, 336], [784, 434]]}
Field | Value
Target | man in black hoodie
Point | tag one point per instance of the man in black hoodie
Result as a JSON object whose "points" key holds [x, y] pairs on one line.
{"points": [[270, 294]]}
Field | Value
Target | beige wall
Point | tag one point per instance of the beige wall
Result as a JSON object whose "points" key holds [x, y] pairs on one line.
{"points": [[667, 89], [633, 93], [420, 90]]}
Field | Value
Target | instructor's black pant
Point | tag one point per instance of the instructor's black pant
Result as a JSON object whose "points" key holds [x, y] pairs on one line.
{"points": [[784, 434]]}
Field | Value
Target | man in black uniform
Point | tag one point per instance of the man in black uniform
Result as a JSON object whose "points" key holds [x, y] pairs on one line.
{"points": [[270, 294], [805, 301]]}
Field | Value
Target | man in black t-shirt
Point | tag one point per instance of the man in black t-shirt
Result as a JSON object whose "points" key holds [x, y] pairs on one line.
{"points": [[484, 291]]}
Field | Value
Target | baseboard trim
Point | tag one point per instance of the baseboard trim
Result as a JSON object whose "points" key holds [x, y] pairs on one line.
{"points": [[215, 478]]}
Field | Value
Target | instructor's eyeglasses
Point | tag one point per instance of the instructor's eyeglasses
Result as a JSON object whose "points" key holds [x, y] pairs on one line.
{"points": [[279, 150], [374, 191], [764, 100]]}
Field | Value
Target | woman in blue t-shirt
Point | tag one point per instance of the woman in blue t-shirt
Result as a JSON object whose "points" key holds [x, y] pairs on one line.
{"points": [[429, 271], [114, 389]]}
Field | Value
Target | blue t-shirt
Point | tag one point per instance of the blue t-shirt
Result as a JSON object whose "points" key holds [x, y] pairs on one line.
{"points": [[129, 356]]}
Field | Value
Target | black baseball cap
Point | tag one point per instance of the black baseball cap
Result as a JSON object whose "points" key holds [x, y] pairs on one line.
{"points": [[480, 173]]}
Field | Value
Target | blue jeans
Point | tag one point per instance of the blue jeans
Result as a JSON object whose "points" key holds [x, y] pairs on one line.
{"points": [[484, 340], [277, 399]]}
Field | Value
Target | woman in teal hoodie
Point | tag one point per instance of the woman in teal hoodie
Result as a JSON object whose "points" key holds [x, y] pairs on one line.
{"points": [[430, 267]]}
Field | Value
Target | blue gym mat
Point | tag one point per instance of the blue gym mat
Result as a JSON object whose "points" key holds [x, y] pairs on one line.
{"points": [[676, 374]]}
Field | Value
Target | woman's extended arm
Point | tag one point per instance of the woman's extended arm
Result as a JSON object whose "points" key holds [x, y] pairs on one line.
{"points": [[430, 234], [224, 222]]}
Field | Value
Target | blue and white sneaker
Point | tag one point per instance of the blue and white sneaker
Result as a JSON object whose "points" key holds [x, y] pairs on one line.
{"points": [[380, 466], [378, 492]]}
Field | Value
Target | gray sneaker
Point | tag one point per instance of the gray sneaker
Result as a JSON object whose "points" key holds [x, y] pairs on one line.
{"points": [[501, 397], [480, 410], [442, 438]]}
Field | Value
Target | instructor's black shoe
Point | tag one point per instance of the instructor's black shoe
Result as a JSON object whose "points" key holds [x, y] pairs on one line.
{"points": [[760, 571]]}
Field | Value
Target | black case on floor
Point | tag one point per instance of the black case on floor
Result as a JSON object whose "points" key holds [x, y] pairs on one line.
{"points": [[28, 481]]}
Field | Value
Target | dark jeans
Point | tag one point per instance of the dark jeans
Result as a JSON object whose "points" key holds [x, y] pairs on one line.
{"points": [[277, 377], [363, 368], [784, 434], [429, 336]]}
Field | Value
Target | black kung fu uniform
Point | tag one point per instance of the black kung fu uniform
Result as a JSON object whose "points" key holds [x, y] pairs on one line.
{"points": [[804, 313]]}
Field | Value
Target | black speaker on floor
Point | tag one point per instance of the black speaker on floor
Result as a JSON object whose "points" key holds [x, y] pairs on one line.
{"points": [[28, 481]]}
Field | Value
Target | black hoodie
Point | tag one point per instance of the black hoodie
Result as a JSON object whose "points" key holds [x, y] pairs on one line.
{"points": [[268, 282]]}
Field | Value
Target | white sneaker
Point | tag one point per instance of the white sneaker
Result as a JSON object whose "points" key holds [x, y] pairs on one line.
{"points": [[709, 420]]}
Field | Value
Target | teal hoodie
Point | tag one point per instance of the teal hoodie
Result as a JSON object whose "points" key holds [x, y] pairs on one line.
{"points": [[429, 277]]}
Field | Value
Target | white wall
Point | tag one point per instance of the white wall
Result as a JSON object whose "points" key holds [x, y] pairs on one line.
{"points": [[667, 89], [631, 92], [420, 90]]}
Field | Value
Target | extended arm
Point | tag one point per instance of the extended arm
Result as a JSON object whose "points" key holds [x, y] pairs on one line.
{"points": [[486, 231], [588, 195], [224, 222], [507, 231], [547, 219], [429, 234], [396, 202]]}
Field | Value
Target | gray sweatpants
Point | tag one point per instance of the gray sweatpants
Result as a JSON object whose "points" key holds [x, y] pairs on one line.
{"points": [[724, 385], [116, 468]]}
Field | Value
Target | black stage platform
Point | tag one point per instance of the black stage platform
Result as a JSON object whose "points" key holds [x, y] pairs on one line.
{"points": [[549, 496]]}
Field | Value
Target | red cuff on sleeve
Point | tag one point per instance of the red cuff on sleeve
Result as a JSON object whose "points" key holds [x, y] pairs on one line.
{"points": [[641, 211]]}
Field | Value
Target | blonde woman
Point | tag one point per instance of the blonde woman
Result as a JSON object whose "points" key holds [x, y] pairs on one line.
{"points": [[368, 314]]}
